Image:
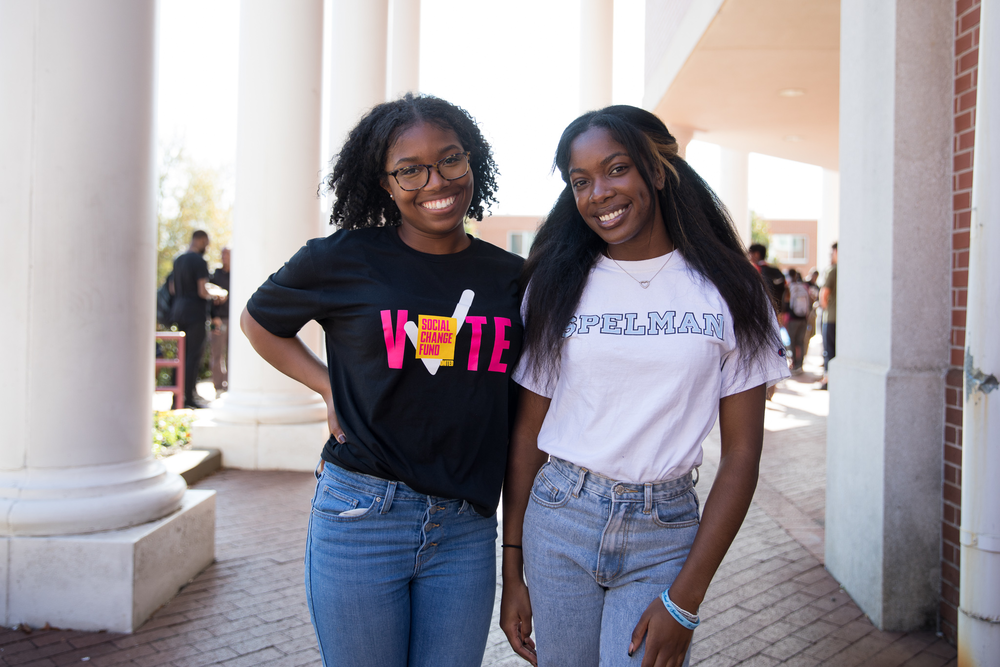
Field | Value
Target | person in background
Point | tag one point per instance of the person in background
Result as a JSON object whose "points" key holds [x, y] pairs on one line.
{"points": [[828, 301], [799, 306], [220, 328], [190, 310], [773, 276], [814, 295]]}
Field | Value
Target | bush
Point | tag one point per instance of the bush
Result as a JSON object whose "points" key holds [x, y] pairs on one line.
{"points": [[171, 432]]}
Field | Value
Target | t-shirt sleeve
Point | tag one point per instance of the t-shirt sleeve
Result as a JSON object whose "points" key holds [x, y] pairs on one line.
{"points": [[286, 302], [202, 270], [740, 373], [532, 378], [528, 374]]}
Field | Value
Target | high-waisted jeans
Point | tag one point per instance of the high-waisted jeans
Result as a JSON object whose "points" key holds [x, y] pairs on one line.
{"points": [[396, 578], [596, 553]]}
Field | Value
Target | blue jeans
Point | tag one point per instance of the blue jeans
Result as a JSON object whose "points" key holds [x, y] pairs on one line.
{"points": [[396, 578], [596, 553], [829, 344]]}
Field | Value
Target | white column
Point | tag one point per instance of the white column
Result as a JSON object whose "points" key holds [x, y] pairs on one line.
{"points": [[733, 186], [404, 48], [829, 221], [979, 601], [887, 389], [356, 73], [78, 247], [267, 420], [596, 53], [355, 70]]}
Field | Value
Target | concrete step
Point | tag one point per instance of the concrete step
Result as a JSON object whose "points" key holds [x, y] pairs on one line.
{"points": [[194, 464]]}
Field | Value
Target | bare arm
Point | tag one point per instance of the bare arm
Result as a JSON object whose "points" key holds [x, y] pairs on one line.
{"points": [[741, 421], [824, 297], [523, 461], [293, 357]]}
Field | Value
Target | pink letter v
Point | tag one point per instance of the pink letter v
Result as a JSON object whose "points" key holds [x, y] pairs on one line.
{"points": [[394, 345]]}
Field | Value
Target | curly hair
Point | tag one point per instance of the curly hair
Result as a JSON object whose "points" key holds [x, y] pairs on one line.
{"points": [[359, 170], [565, 248]]}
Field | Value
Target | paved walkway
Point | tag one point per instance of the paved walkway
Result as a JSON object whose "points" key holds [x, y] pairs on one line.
{"points": [[771, 603]]}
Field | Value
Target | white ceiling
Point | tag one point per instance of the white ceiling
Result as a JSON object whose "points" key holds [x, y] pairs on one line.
{"points": [[727, 88]]}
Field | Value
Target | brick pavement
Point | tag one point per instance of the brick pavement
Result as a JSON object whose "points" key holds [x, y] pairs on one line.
{"points": [[771, 603]]}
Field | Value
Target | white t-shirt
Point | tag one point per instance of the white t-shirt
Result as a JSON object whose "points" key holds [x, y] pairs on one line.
{"points": [[642, 371]]}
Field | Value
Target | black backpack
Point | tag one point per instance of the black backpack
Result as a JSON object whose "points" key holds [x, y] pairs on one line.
{"points": [[165, 301]]}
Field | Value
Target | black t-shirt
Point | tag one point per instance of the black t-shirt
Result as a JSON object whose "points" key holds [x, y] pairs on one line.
{"points": [[220, 277], [189, 268], [443, 433]]}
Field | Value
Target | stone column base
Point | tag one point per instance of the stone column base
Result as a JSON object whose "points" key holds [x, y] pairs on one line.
{"points": [[256, 446], [113, 580]]}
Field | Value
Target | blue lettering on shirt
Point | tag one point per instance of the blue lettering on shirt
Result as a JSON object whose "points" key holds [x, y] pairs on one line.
{"points": [[713, 325], [630, 328], [689, 324], [664, 321], [570, 328], [587, 321], [611, 324]]}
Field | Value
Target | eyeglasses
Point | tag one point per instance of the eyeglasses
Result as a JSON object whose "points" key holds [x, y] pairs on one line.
{"points": [[416, 176]]}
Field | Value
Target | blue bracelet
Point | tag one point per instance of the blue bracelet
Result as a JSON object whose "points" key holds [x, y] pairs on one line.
{"points": [[685, 618]]}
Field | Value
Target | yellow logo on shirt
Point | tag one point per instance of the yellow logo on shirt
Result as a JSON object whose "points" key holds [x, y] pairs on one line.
{"points": [[437, 338]]}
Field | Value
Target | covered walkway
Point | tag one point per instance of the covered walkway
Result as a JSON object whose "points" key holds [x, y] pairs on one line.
{"points": [[771, 603]]}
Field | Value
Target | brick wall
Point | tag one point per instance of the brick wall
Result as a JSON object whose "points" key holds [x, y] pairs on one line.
{"points": [[966, 72]]}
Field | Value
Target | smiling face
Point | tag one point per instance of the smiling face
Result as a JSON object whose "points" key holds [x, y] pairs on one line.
{"points": [[432, 216], [613, 198]]}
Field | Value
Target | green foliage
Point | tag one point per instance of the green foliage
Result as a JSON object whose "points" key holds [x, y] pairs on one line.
{"points": [[171, 431], [759, 230], [190, 196]]}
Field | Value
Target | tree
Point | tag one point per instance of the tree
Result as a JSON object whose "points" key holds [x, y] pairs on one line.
{"points": [[190, 196], [759, 230]]}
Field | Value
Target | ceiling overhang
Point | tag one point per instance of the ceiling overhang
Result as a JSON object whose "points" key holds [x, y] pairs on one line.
{"points": [[763, 77]]}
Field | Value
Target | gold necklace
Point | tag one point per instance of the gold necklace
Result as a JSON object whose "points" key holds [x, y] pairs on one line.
{"points": [[644, 284]]}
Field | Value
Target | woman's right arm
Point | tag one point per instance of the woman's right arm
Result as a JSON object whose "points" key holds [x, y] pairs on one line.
{"points": [[523, 461], [293, 357]]}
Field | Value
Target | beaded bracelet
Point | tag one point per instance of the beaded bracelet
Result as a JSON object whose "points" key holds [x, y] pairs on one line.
{"points": [[685, 618]]}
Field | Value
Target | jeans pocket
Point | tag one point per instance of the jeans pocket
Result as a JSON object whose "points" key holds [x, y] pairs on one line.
{"points": [[340, 502], [550, 490], [678, 512]]}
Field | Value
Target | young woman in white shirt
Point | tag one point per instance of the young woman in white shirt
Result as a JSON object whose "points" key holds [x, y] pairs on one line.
{"points": [[644, 322]]}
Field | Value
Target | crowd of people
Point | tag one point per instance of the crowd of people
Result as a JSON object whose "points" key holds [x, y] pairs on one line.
{"points": [[800, 303], [581, 381]]}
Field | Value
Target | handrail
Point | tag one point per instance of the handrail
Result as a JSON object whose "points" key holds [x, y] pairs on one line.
{"points": [[178, 364]]}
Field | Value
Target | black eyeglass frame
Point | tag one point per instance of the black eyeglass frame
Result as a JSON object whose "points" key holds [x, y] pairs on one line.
{"points": [[427, 170]]}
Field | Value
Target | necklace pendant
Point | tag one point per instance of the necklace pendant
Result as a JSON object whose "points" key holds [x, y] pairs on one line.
{"points": [[644, 284]]}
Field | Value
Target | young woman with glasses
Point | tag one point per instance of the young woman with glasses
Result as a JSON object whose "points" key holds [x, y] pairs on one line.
{"points": [[422, 331], [644, 322]]}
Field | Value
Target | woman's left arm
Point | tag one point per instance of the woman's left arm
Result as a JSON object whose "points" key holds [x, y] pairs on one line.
{"points": [[741, 424]]}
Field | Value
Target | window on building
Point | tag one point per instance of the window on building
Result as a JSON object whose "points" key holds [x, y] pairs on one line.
{"points": [[519, 243], [790, 248]]}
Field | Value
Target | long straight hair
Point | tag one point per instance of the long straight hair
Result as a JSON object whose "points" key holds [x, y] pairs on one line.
{"points": [[566, 249]]}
